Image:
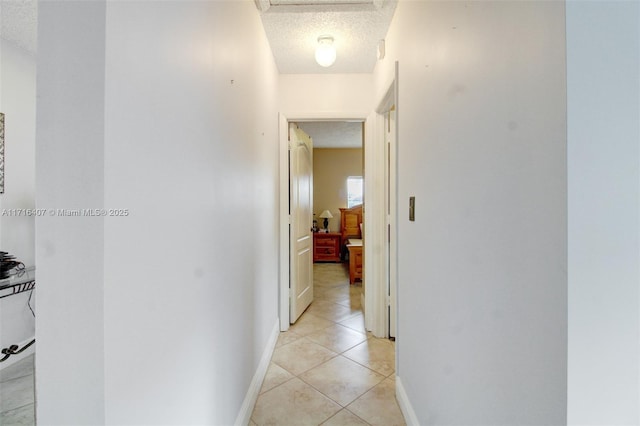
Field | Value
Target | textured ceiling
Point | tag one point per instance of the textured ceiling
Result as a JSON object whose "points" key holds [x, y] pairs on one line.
{"points": [[334, 134], [18, 22], [357, 26], [292, 27]]}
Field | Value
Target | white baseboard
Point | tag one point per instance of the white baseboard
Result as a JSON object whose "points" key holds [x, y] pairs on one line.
{"points": [[256, 383], [405, 405]]}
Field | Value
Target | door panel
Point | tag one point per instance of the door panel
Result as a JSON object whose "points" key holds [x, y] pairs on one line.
{"points": [[301, 199]]}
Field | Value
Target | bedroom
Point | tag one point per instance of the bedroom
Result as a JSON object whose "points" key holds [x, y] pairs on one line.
{"points": [[337, 185]]}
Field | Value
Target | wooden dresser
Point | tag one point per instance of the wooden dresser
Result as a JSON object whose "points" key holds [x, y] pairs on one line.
{"points": [[326, 247]]}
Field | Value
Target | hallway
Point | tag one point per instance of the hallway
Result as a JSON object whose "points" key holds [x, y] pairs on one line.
{"points": [[326, 369]]}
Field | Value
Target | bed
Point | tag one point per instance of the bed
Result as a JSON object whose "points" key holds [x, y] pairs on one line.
{"points": [[351, 237]]}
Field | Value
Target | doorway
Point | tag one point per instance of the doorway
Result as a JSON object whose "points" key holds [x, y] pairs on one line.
{"points": [[338, 168], [375, 236], [313, 124]]}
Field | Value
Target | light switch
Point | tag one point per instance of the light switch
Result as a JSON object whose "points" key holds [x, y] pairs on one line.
{"points": [[412, 209]]}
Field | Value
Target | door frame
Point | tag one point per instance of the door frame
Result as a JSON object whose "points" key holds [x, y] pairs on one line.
{"points": [[381, 294], [376, 300], [388, 105], [284, 119]]}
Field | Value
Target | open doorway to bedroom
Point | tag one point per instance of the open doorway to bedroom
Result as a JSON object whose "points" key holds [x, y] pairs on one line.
{"points": [[338, 161], [338, 154], [373, 216], [338, 184]]}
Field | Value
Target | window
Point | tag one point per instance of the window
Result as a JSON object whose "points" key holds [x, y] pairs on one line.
{"points": [[355, 185]]}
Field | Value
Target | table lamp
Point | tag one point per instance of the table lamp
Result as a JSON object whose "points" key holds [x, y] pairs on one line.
{"points": [[326, 215]]}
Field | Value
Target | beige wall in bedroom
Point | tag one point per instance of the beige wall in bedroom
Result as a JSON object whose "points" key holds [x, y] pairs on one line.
{"points": [[331, 167]]}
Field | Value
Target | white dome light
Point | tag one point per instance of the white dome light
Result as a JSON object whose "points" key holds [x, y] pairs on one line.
{"points": [[325, 52]]}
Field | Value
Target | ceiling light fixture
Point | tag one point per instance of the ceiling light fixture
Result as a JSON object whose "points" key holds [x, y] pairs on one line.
{"points": [[326, 51]]}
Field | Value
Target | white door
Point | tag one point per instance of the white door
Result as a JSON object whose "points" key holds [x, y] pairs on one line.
{"points": [[301, 238]]}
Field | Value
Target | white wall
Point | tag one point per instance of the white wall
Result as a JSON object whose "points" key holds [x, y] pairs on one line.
{"points": [[190, 275], [603, 106], [331, 168], [17, 231], [70, 250], [326, 94], [482, 271]]}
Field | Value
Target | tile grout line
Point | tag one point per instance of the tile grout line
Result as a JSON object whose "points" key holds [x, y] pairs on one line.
{"points": [[341, 354], [351, 412], [328, 302], [343, 406]]}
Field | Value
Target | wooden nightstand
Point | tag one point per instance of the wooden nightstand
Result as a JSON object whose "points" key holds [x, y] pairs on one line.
{"points": [[326, 247], [355, 262]]}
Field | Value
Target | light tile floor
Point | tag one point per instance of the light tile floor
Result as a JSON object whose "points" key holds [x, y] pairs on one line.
{"points": [[327, 370], [17, 398]]}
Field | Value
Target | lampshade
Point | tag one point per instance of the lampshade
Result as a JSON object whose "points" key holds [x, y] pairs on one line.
{"points": [[326, 214], [326, 51]]}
